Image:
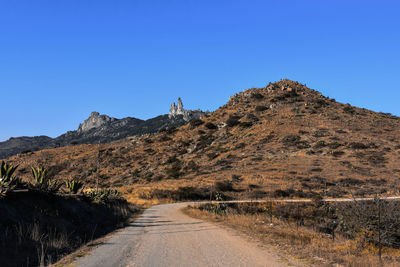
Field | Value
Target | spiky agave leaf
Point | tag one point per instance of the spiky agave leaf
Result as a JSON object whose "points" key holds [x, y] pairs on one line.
{"points": [[73, 186], [8, 181]]}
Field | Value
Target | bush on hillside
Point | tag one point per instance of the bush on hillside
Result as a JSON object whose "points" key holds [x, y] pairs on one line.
{"points": [[233, 120], [211, 126]]}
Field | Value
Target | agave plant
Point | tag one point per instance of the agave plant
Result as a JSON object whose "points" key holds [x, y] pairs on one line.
{"points": [[73, 186], [42, 181], [104, 195], [8, 181]]}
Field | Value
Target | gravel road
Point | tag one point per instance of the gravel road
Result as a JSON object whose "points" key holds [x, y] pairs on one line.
{"points": [[164, 236]]}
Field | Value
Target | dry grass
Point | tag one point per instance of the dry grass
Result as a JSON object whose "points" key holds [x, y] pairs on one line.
{"points": [[304, 142], [312, 248], [40, 228]]}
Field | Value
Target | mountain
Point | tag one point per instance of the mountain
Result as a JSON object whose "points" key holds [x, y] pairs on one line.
{"points": [[280, 140], [101, 129]]}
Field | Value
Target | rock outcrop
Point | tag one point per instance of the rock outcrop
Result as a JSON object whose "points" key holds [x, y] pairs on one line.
{"points": [[187, 115], [95, 120]]}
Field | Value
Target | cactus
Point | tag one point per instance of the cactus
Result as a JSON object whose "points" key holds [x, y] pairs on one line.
{"points": [[42, 181], [8, 181], [73, 186]]}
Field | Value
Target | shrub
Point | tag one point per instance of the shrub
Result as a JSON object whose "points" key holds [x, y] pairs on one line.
{"points": [[320, 103], [174, 171], [283, 193], [334, 145], [223, 186], [349, 110], [376, 158], [212, 155], [291, 139], [257, 96], [168, 130], [246, 124], [350, 181], [191, 165], [211, 126], [240, 145], [236, 178], [196, 122], [336, 153], [267, 139], [261, 108], [357, 145], [320, 144], [204, 141], [164, 138], [233, 120], [321, 132]]}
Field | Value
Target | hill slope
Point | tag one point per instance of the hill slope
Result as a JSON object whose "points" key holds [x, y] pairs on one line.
{"points": [[281, 140]]}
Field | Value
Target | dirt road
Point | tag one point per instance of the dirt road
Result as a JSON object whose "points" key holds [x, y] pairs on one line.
{"points": [[163, 236]]}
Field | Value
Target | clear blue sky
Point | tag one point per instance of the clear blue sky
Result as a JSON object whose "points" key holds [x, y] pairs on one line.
{"points": [[60, 60]]}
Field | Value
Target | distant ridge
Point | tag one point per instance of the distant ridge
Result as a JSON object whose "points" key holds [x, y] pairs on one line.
{"points": [[99, 128]]}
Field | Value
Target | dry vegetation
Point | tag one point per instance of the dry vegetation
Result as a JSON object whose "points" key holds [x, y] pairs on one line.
{"points": [[39, 228], [284, 140], [319, 234], [39, 223]]}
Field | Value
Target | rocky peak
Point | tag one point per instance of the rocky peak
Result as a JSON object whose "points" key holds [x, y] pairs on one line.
{"points": [[177, 109], [95, 120]]}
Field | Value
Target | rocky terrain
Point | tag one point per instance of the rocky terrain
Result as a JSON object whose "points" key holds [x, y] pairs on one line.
{"points": [[282, 140], [101, 129]]}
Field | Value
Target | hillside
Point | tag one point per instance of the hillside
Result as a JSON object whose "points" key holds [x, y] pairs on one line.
{"points": [[282, 140]]}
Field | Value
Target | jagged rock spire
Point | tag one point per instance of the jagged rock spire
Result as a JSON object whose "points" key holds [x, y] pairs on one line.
{"points": [[177, 109]]}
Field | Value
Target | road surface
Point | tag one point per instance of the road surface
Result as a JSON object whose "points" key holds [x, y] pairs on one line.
{"points": [[164, 236]]}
